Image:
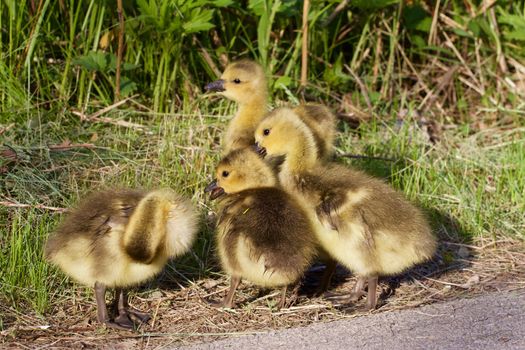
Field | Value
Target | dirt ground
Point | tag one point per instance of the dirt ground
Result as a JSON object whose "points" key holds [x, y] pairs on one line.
{"points": [[182, 316]]}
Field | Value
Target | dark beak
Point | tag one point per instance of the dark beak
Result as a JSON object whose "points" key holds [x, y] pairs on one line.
{"points": [[215, 190], [261, 151], [215, 86]]}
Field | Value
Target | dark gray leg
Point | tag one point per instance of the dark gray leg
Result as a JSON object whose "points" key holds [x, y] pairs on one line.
{"points": [[102, 311], [124, 309], [359, 289], [122, 318], [228, 299], [282, 302], [372, 299], [357, 292], [327, 277], [100, 296]]}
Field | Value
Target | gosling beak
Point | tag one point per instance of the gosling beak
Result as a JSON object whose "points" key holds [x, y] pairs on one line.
{"points": [[215, 190], [261, 151], [215, 86]]}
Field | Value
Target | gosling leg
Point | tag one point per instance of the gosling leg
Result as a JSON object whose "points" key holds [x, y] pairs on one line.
{"points": [[357, 292], [359, 289], [371, 298], [295, 293], [123, 317], [102, 311], [123, 307], [228, 299], [282, 302], [327, 277]]}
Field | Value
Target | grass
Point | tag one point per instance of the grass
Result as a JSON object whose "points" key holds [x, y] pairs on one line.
{"points": [[478, 179], [439, 97]]}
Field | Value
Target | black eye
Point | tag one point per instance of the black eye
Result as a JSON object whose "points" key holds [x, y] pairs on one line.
{"points": [[225, 173], [266, 132], [237, 81]]}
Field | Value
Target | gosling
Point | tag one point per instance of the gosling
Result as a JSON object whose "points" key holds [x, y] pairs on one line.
{"points": [[119, 239], [245, 83], [361, 222], [262, 234]]}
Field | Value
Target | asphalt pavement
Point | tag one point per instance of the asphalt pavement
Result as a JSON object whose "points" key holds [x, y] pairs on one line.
{"points": [[491, 321]]}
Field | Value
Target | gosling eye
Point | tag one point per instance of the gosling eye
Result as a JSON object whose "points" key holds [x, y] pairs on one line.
{"points": [[237, 81], [266, 132], [225, 173]]}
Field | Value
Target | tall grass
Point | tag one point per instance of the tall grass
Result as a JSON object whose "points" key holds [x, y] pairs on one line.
{"points": [[436, 86], [67, 53]]}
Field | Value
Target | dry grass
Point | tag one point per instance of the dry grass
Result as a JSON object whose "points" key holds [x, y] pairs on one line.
{"points": [[182, 315]]}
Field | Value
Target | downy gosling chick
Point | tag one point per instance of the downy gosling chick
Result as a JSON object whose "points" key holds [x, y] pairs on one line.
{"points": [[245, 83], [262, 234], [360, 221], [119, 239]]}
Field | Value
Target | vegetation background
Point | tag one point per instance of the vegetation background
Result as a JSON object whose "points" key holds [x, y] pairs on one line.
{"points": [[434, 89]]}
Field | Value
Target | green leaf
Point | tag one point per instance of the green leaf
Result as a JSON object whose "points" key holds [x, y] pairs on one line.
{"points": [[127, 86], [517, 23], [94, 61], [282, 82], [148, 9], [475, 28], [461, 32], [129, 66], [485, 26], [335, 75], [257, 6], [513, 20], [515, 35], [418, 40], [221, 3], [374, 96], [416, 18], [200, 21]]}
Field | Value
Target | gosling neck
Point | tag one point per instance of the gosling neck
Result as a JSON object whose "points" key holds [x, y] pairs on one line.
{"points": [[302, 156], [253, 111]]}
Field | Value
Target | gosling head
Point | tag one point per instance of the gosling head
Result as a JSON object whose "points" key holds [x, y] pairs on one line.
{"points": [[240, 170], [242, 81], [283, 134]]}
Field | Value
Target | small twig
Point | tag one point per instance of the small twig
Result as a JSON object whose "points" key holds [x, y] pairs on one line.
{"points": [[120, 48], [487, 4], [342, 5], [155, 314], [304, 48], [66, 146], [95, 116], [208, 58], [264, 297], [123, 123], [359, 156], [450, 44], [37, 206], [216, 292], [443, 82], [433, 27], [108, 108], [31, 34], [362, 86], [6, 128], [500, 57], [477, 247], [295, 309]]}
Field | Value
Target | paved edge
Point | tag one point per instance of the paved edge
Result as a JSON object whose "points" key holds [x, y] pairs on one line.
{"points": [[492, 321]]}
